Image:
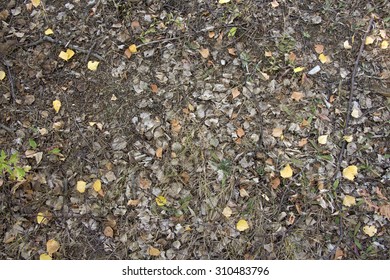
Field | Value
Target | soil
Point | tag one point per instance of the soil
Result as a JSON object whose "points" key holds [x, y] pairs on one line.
{"points": [[216, 131]]}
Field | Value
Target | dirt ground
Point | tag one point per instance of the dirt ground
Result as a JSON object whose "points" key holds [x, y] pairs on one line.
{"points": [[208, 130]]}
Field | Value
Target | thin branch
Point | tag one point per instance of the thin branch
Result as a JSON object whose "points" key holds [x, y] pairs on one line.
{"points": [[159, 41], [64, 44]]}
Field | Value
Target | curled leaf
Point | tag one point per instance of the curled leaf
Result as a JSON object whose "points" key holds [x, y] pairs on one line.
{"points": [[161, 200]]}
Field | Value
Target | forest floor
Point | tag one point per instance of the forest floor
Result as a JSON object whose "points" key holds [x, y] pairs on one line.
{"points": [[206, 130]]}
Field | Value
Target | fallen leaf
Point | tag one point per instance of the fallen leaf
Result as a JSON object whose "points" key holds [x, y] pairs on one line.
{"points": [[286, 172], [45, 257], [35, 3], [349, 201], [211, 34], [52, 246], [369, 40], [175, 126], [153, 251], [319, 48], [298, 69], [268, 54], [384, 45], [235, 92], [232, 51], [302, 142], [346, 45], [355, 113], [97, 185], [323, 139], [66, 55], [242, 225], [382, 32], [49, 31], [133, 202], [292, 57], [324, 58], [240, 132], [350, 172], [2, 75], [204, 52], [161, 200], [275, 183], [80, 186], [339, 254], [370, 230], [154, 88], [227, 212], [159, 152], [132, 48], [144, 183], [264, 76], [127, 53], [348, 138], [113, 97], [92, 65], [135, 24], [297, 95], [243, 192], [57, 105], [384, 210], [277, 132], [108, 231], [42, 217], [274, 4]]}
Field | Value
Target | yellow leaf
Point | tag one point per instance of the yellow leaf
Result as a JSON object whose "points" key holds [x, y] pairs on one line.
{"points": [[49, 31], [384, 45], [133, 48], [97, 185], [349, 201], [80, 186], [2, 75], [382, 32], [323, 139], [66, 55], [350, 172], [41, 218], [35, 3], [347, 46], [45, 257], [298, 69], [204, 52], [370, 230], [286, 172], [57, 105], [52, 246], [369, 40], [153, 251], [242, 225], [227, 212], [92, 65], [323, 58], [348, 138], [161, 201], [223, 1]]}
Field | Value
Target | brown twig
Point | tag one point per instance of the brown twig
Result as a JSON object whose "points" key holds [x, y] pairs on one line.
{"points": [[11, 81], [64, 44], [89, 52], [346, 126]]}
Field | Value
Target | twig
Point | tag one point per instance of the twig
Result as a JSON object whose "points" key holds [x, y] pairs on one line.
{"points": [[59, 42], [159, 41], [6, 128], [11, 81], [89, 52], [346, 126]]}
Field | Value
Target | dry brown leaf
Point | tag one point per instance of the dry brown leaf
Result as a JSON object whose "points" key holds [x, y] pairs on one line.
{"points": [[52, 246], [133, 202], [232, 51], [339, 254], [379, 193], [159, 152], [384, 210], [292, 57], [302, 142], [235, 92], [135, 24], [127, 53], [227, 212], [275, 183], [319, 48], [240, 132], [153, 251], [243, 192], [297, 95], [185, 176], [211, 34], [144, 183], [108, 231], [175, 126], [277, 132], [204, 52], [154, 88]]}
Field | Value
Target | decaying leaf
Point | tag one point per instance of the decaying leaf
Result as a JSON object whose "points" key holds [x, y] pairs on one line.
{"points": [[235, 92], [277, 132], [154, 88], [57, 105], [369, 40], [323, 139], [108, 231], [175, 126], [324, 58], [52, 246], [350, 172], [159, 152], [80, 186], [204, 52], [240, 132], [227, 212], [133, 202], [349, 201], [242, 225], [144, 183], [297, 95], [384, 210], [153, 251], [370, 230], [243, 192], [275, 182], [319, 48], [286, 172]]}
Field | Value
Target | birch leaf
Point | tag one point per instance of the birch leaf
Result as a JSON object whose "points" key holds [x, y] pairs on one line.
{"points": [[370, 230], [286, 172], [52, 246], [242, 225], [97, 185], [80, 186], [349, 201], [350, 172], [57, 105]]}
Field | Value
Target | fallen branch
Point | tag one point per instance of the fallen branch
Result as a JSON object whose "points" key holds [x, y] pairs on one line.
{"points": [[346, 126], [66, 45]]}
